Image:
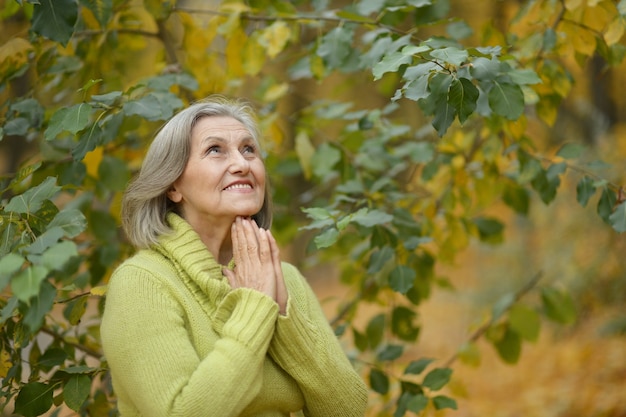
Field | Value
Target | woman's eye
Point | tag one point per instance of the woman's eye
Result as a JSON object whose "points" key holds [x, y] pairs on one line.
{"points": [[212, 149], [249, 149]]}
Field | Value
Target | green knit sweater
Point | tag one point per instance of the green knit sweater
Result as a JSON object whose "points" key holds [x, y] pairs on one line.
{"points": [[180, 342]]}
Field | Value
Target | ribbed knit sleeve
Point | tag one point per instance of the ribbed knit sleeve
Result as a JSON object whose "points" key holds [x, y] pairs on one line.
{"points": [[147, 344], [305, 346]]}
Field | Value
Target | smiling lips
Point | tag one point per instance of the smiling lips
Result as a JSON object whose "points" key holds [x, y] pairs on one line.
{"points": [[238, 186]]}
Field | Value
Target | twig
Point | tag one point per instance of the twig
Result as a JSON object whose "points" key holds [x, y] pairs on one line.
{"points": [[483, 329], [82, 348]]}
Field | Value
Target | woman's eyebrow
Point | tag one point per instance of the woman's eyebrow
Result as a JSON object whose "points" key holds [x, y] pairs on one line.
{"points": [[212, 138]]}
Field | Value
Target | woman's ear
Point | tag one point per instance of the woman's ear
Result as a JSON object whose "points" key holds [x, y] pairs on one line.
{"points": [[174, 195]]}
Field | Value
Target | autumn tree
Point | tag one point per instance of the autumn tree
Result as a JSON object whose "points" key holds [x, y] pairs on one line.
{"points": [[392, 127]]}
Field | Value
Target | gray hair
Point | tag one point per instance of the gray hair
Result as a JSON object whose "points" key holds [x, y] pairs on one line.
{"points": [[145, 204]]}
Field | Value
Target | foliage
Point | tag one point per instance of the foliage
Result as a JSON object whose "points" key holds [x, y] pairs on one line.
{"points": [[86, 83]]}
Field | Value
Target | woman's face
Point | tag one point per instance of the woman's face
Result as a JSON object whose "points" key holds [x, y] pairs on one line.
{"points": [[224, 176]]}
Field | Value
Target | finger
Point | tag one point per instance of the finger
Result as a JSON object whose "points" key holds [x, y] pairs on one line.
{"points": [[265, 248], [250, 239], [275, 251], [230, 276]]}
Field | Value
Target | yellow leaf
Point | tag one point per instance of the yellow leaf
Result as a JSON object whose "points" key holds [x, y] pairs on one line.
{"points": [[14, 53], [318, 69], [5, 363], [582, 41], [614, 32], [547, 111], [275, 38], [233, 21], [77, 311], [253, 55], [136, 17], [275, 92], [236, 41], [92, 161], [518, 127], [99, 291], [305, 151], [573, 4], [234, 6]]}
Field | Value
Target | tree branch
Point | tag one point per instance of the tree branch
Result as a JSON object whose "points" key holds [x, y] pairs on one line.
{"points": [[483, 329]]}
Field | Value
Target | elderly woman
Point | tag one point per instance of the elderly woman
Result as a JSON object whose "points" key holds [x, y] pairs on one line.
{"points": [[205, 320]]}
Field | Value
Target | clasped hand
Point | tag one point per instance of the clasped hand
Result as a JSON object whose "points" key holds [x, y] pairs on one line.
{"points": [[257, 262]]}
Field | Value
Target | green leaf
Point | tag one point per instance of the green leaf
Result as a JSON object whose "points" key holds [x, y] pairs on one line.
{"points": [[418, 366], [7, 237], [76, 391], [360, 340], [517, 198], [546, 187], [371, 218], [489, 229], [417, 152], [33, 198], [379, 258], [375, 330], [618, 218], [441, 401], [327, 238], [390, 353], [71, 221], [605, 204], [113, 173], [401, 279], [147, 107], [416, 89], [49, 238], [451, 55], [417, 403], [79, 369], [571, 151], [402, 323], [88, 141], [379, 381], [27, 282], [524, 77], [506, 100], [108, 99], [438, 103], [437, 378], [34, 399], [585, 190], [391, 63], [9, 265], [16, 127], [555, 170], [463, 96], [71, 119], [525, 322], [484, 69], [335, 46], [509, 346], [324, 160], [57, 255], [558, 306], [317, 213], [52, 357], [40, 305], [55, 19]]}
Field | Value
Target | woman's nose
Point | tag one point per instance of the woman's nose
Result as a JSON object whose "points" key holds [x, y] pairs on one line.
{"points": [[238, 163]]}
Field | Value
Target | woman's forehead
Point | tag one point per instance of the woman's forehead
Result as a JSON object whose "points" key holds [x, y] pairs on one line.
{"points": [[220, 127]]}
